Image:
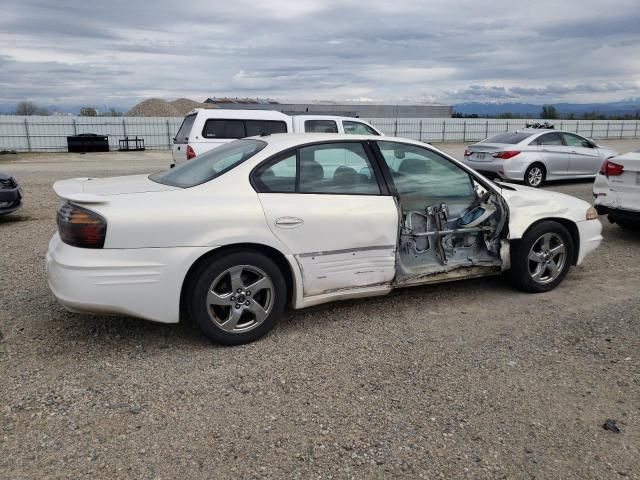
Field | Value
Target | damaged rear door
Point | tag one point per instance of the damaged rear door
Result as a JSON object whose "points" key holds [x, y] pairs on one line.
{"points": [[451, 225], [328, 204]]}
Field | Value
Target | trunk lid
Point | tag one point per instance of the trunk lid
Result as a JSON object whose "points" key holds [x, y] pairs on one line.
{"points": [[97, 190], [481, 152]]}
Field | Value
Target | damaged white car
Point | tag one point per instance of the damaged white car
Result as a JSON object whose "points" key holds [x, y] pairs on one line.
{"points": [[232, 237]]}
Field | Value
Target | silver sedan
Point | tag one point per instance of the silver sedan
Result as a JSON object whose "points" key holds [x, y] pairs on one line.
{"points": [[534, 156]]}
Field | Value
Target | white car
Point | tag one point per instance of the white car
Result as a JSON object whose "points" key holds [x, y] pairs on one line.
{"points": [[534, 156], [204, 129], [234, 236], [617, 190]]}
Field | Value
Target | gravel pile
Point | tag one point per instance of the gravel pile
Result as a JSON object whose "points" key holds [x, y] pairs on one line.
{"points": [[157, 107], [154, 107], [185, 105]]}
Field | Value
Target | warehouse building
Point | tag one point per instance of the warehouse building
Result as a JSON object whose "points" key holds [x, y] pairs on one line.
{"points": [[363, 110]]}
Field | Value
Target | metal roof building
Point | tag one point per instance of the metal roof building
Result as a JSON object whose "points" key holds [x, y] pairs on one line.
{"points": [[364, 110]]}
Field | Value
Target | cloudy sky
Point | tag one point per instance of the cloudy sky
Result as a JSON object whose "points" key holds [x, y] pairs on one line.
{"points": [[118, 52]]}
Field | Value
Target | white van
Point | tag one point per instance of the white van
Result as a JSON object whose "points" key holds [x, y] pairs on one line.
{"points": [[204, 129]]}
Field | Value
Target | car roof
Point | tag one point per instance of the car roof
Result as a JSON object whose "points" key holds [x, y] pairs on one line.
{"points": [[287, 140], [244, 114]]}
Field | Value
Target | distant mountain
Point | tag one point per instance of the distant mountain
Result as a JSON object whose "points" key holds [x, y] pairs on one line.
{"points": [[9, 108], [622, 107]]}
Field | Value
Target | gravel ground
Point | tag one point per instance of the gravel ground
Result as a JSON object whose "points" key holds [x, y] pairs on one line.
{"points": [[465, 380]]}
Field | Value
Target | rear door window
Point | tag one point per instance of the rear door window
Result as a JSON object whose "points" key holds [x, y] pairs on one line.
{"points": [[267, 127], [183, 133], [550, 139], [219, 128], [320, 126], [576, 141]]}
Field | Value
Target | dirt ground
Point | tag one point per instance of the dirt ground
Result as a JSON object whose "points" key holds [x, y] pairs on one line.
{"points": [[472, 379]]}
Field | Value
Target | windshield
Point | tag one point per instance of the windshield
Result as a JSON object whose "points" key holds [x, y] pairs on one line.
{"points": [[507, 137], [209, 165], [183, 134]]}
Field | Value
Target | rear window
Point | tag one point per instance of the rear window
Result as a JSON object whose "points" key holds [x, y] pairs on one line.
{"points": [[320, 126], [183, 133], [220, 128], [216, 128], [258, 127], [508, 137], [209, 165]]}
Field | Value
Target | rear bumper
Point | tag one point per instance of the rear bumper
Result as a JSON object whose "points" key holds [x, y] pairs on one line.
{"points": [[590, 232], [141, 282], [621, 213], [507, 170], [10, 200]]}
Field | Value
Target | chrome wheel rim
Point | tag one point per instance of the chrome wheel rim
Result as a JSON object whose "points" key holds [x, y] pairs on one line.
{"points": [[240, 299], [547, 258], [535, 176]]}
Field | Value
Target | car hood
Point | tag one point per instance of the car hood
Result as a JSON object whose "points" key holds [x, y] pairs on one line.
{"points": [[528, 205], [96, 190]]}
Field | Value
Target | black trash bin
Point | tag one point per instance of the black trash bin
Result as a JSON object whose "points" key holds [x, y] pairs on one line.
{"points": [[88, 142]]}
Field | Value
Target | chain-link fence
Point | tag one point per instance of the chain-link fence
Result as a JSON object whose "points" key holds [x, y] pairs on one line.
{"points": [[49, 134]]}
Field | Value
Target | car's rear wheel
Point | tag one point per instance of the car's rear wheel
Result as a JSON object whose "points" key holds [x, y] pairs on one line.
{"points": [[237, 298], [535, 175], [541, 260]]}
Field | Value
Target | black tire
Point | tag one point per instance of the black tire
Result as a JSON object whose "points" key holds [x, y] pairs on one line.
{"points": [[521, 265], [533, 180], [209, 317]]}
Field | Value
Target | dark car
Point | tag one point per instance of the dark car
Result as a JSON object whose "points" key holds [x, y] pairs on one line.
{"points": [[10, 194]]}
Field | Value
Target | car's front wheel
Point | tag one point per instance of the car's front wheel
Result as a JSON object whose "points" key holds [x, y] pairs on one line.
{"points": [[541, 260], [236, 298], [535, 175]]}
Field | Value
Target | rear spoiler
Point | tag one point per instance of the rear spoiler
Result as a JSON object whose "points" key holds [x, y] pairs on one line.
{"points": [[73, 190]]}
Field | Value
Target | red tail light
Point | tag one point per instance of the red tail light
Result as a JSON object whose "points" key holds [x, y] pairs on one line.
{"points": [[505, 155], [190, 152], [468, 153], [81, 227], [611, 169]]}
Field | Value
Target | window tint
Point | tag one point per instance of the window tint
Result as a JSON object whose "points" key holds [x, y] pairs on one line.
{"points": [[218, 128], [258, 127], [210, 165], [550, 139], [320, 126], [508, 137], [183, 133], [419, 172], [279, 176], [576, 141], [357, 128], [341, 168]]}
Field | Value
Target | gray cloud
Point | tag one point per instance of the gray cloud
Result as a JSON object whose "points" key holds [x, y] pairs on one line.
{"points": [[118, 52]]}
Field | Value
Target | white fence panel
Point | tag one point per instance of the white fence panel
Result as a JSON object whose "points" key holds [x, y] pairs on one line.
{"points": [[49, 134]]}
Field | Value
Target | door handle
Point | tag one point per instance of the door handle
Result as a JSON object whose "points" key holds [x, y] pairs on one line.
{"points": [[288, 222], [573, 151]]}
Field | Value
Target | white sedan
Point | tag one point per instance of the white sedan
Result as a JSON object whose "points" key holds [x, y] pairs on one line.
{"points": [[232, 237]]}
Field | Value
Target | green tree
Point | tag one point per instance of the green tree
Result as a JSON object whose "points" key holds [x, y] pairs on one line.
{"points": [[88, 112], [27, 107], [548, 112]]}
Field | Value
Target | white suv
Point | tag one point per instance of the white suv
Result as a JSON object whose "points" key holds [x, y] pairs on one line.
{"points": [[204, 129]]}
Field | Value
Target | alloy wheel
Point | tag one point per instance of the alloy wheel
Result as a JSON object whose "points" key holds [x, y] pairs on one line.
{"points": [[547, 258], [240, 298], [535, 176]]}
